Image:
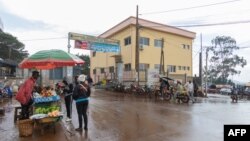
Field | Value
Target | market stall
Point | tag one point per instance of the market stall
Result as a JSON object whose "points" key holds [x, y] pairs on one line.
{"points": [[46, 109], [47, 106]]}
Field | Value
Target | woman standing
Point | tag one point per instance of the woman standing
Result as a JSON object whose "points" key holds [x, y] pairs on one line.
{"points": [[68, 91], [80, 95]]}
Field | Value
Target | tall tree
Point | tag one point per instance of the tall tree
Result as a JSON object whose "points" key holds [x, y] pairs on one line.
{"points": [[85, 68], [86, 65], [11, 48], [224, 61]]}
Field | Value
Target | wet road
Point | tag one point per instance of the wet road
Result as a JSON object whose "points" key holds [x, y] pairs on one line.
{"points": [[113, 117]]}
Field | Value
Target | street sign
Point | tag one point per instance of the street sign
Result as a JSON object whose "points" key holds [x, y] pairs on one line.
{"points": [[103, 47], [82, 37], [82, 45], [94, 43]]}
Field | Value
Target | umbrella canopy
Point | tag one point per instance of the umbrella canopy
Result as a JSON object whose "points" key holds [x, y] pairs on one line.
{"points": [[50, 59]]}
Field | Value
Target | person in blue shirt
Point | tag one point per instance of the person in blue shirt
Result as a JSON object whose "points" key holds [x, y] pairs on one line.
{"points": [[81, 95], [8, 90]]}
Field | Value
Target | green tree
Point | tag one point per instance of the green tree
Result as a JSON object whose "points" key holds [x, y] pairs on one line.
{"points": [[11, 48], [224, 61], [86, 65], [85, 68]]}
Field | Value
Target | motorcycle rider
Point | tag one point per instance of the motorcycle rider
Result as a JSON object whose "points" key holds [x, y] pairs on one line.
{"points": [[190, 89], [179, 90], [163, 83]]}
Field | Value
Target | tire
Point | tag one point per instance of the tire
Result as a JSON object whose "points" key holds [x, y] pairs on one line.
{"points": [[185, 99], [167, 96]]}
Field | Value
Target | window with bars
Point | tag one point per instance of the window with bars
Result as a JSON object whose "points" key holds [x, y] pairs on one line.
{"points": [[171, 68], [184, 67], [127, 41], [158, 43], [143, 66], [179, 67], [102, 70], [111, 69], [127, 67], [157, 66], [183, 46], [144, 41]]}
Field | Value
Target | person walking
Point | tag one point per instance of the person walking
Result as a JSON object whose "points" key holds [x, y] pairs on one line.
{"points": [[90, 81], [68, 91], [81, 95], [190, 89], [25, 94]]}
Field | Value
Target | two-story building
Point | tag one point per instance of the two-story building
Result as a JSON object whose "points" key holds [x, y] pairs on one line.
{"points": [[177, 47]]}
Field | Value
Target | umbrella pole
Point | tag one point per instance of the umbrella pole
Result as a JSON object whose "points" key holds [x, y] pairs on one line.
{"points": [[41, 77], [53, 77]]}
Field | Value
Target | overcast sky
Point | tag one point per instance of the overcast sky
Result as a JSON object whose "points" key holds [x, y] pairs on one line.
{"points": [[51, 20]]}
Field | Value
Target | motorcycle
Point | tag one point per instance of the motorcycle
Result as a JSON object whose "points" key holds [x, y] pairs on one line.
{"points": [[183, 97], [234, 98]]}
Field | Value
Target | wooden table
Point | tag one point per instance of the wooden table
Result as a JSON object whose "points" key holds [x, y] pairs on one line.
{"points": [[47, 122]]}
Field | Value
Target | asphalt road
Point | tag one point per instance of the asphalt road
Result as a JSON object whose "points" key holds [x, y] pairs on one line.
{"points": [[115, 117]]}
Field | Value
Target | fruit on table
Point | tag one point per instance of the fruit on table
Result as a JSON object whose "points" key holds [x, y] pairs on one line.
{"points": [[46, 110], [46, 93], [53, 113]]}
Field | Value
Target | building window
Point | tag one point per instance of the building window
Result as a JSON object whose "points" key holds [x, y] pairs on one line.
{"points": [[93, 53], [188, 68], [184, 67], [158, 43], [171, 68], [183, 46], [102, 70], [179, 67], [144, 41], [94, 71], [57, 73], [143, 66], [127, 67], [157, 66], [127, 41], [188, 46], [111, 69]]}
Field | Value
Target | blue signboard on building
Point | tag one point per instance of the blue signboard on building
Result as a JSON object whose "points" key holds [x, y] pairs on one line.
{"points": [[104, 47]]}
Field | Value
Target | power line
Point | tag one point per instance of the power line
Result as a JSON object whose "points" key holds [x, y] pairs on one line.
{"points": [[245, 11], [54, 38], [244, 47], [208, 24], [187, 8], [216, 24]]}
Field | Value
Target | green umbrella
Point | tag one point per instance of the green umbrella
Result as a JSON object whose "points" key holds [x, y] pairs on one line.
{"points": [[49, 59]]}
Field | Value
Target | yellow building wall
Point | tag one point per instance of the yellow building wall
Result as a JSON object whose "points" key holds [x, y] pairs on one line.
{"points": [[174, 54], [173, 51], [104, 60]]}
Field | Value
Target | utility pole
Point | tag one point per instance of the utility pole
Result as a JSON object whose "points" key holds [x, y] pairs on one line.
{"points": [[162, 64], [137, 54], [69, 42], [206, 69], [201, 74]]}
